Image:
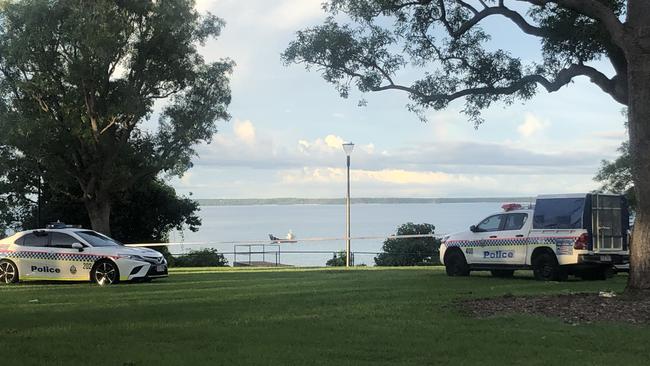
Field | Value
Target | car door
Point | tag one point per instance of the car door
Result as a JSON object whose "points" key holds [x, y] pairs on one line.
{"points": [[35, 259], [74, 265], [485, 235], [511, 240]]}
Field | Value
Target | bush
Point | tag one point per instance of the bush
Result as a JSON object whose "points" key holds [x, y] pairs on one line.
{"points": [[337, 261], [410, 252], [200, 258]]}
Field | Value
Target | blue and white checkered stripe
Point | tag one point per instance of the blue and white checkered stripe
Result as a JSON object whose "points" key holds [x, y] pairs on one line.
{"points": [[558, 241], [72, 257]]}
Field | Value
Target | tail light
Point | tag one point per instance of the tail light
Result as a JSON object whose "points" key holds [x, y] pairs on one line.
{"points": [[582, 242]]}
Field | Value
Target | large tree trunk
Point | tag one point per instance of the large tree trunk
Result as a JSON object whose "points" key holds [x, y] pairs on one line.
{"points": [[99, 211], [639, 126]]}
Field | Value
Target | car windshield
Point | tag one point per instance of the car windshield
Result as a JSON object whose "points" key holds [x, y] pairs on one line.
{"points": [[98, 240]]}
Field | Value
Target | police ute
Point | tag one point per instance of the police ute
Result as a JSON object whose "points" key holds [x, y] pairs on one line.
{"points": [[585, 235], [65, 253]]}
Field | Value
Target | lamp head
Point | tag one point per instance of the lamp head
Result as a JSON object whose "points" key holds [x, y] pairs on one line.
{"points": [[348, 147]]}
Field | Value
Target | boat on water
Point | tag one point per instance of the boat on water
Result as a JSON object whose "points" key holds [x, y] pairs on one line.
{"points": [[290, 238]]}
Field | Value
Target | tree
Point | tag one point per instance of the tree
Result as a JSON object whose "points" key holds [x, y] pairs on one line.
{"points": [[410, 251], [616, 176], [79, 78], [444, 39], [18, 187]]}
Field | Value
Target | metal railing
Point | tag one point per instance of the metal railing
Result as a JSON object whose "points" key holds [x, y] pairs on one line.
{"points": [[259, 248]]}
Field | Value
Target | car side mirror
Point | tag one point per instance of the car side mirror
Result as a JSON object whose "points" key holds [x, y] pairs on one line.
{"points": [[77, 246], [473, 228]]}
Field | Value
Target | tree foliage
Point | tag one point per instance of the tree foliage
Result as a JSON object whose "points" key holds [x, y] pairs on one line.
{"points": [[79, 79], [443, 39], [616, 176], [410, 251]]}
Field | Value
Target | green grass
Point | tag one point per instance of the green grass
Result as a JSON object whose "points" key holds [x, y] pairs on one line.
{"points": [[301, 317]]}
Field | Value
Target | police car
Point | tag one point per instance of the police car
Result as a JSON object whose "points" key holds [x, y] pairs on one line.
{"points": [[66, 253], [576, 234]]}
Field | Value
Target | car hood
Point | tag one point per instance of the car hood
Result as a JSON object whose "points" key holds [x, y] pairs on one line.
{"points": [[140, 251], [459, 234], [127, 250]]}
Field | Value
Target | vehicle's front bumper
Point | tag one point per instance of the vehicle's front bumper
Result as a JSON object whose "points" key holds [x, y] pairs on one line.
{"points": [[154, 271]]}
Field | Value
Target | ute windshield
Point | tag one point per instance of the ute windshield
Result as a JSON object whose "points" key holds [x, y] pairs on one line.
{"points": [[98, 240]]}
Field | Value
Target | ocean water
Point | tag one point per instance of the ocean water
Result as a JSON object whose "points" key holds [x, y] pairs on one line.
{"points": [[253, 223]]}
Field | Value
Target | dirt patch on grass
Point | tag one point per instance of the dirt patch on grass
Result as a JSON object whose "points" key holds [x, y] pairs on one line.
{"points": [[573, 308]]}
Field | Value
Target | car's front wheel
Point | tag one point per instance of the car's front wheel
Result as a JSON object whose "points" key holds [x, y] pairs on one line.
{"points": [[105, 273], [8, 272], [456, 265]]}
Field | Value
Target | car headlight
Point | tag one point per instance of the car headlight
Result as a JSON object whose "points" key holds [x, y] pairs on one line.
{"points": [[133, 257]]}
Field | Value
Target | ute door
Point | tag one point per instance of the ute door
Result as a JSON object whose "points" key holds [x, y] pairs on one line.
{"points": [[485, 235], [512, 240]]}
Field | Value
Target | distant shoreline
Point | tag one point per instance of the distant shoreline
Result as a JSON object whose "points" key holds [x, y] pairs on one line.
{"points": [[341, 201]]}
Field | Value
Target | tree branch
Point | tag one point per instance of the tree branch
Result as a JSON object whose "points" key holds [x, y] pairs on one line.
{"points": [[487, 11], [593, 9], [563, 78]]}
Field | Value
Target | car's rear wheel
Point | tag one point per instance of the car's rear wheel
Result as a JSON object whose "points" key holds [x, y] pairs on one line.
{"points": [[8, 272], [105, 273], [456, 265], [546, 268]]}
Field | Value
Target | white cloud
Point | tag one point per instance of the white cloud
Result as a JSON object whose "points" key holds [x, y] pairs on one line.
{"points": [[328, 145], [532, 126], [308, 175], [244, 131]]}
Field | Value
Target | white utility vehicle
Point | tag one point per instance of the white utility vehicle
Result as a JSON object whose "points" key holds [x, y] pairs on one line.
{"points": [[65, 253], [572, 234]]}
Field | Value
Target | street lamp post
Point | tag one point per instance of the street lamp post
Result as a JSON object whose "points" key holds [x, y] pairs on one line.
{"points": [[348, 147]]}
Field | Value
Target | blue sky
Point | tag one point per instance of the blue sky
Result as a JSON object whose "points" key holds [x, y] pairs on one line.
{"points": [[287, 126]]}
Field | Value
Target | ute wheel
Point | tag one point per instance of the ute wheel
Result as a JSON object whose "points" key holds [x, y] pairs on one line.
{"points": [[8, 272], [546, 268], [456, 265], [503, 273], [105, 273]]}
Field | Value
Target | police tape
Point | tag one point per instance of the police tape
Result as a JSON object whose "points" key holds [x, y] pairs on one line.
{"points": [[286, 241]]}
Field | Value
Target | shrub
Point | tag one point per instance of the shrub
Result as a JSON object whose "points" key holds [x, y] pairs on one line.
{"points": [[200, 258], [410, 252], [337, 261]]}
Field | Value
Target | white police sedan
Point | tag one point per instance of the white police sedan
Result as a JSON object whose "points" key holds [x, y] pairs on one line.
{"points": [[65, 253]]}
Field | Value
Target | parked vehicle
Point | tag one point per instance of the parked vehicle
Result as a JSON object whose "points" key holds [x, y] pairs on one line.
{"points": [[573, 234], [66, 253]]}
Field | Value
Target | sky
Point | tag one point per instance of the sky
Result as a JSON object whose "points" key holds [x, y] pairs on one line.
{"points": [[284, 138]]}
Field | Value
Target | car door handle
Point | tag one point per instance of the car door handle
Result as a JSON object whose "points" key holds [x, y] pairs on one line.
{"points": [[493, 236], [519, 236]]}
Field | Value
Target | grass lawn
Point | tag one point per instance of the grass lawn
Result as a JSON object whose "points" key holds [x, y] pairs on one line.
{"points": [[302, 317]]}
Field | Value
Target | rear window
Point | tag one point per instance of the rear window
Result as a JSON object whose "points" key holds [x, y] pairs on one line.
{"points": [[35, 239], [558, 213]]}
